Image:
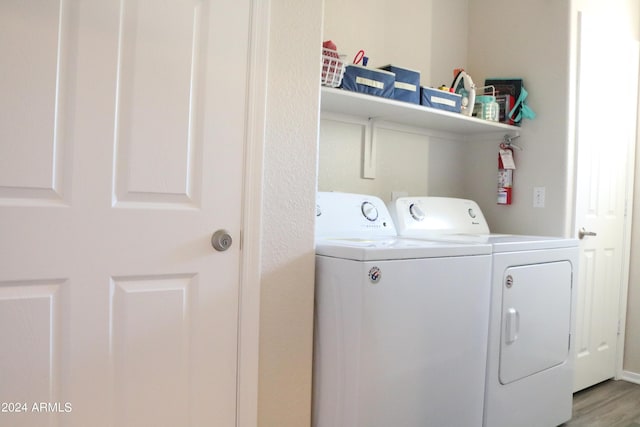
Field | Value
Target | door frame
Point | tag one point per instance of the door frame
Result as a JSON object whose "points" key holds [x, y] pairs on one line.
{"points": [[626, 245], [626, 265], [249, 292]]}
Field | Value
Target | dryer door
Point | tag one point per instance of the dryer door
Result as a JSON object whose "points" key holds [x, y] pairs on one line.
{"points": [[536, 319]]}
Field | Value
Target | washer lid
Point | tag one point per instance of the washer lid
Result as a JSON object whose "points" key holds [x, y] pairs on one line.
{"points": [[500, 242], [393, 248], [514, 242]]}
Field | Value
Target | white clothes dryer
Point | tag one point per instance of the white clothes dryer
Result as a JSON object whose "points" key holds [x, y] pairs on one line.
{"points": [[400, 325], [530, 354]]}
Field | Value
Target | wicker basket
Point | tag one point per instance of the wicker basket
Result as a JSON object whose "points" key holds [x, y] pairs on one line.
{"points": [[332, 68]]}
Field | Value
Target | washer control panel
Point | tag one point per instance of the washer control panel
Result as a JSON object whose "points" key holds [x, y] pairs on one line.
{"points": [[437, 215], [352, 215]]}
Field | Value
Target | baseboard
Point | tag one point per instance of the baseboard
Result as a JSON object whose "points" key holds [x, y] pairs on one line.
{"points": [[632, 377]]}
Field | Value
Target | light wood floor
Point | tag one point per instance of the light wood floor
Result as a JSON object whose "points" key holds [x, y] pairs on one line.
{"points": [[608, 404]]}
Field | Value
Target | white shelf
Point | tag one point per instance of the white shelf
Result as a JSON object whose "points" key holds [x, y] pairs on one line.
{"points": [[373, 107]]}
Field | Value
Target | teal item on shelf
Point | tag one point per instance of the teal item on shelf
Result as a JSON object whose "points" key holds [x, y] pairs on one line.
{"points": [[513, 87], [486, 108]]}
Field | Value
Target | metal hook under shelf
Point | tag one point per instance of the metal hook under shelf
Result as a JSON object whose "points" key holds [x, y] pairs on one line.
{"points": [[507, 141]]}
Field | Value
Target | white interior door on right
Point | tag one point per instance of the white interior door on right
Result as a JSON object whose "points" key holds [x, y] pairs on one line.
{"points": [[605, 137]]}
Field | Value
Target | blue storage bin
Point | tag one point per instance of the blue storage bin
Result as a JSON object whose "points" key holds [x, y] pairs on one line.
{"points": [[440, 99], [407, 84], [369, 80]]}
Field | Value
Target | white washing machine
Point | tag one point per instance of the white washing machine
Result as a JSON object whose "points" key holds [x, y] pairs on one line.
{"points": [[530, 355], [401, 325]]}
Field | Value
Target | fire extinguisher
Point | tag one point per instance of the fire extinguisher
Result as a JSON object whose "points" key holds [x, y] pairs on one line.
{"points": [[506, 166]]}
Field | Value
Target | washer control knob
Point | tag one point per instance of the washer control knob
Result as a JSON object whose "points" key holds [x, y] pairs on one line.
{"points": [[369, 211], [472, 213], [416, 212]]}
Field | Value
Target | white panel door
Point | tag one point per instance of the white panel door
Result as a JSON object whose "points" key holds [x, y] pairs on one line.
{"points": [[605, 137], [122, 127]]}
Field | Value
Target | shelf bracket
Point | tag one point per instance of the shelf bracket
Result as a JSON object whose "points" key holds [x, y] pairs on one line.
{"points": [[507, 141], [369, 150]]}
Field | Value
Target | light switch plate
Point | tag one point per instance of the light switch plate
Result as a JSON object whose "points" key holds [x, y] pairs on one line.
{"points": [[538, 197]]}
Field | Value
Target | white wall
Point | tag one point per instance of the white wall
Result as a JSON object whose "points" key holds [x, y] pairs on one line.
{"points": [[429, 36], [438, 41], [340, 161], [288, 257], [541, 59], [402, 33], [632, 332]]}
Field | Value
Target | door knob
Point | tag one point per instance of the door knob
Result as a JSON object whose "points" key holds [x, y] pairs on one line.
{"points": [[582, 232], [221, 240]]}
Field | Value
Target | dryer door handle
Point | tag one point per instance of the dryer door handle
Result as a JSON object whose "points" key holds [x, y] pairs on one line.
{"points": [[512, 326]]}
